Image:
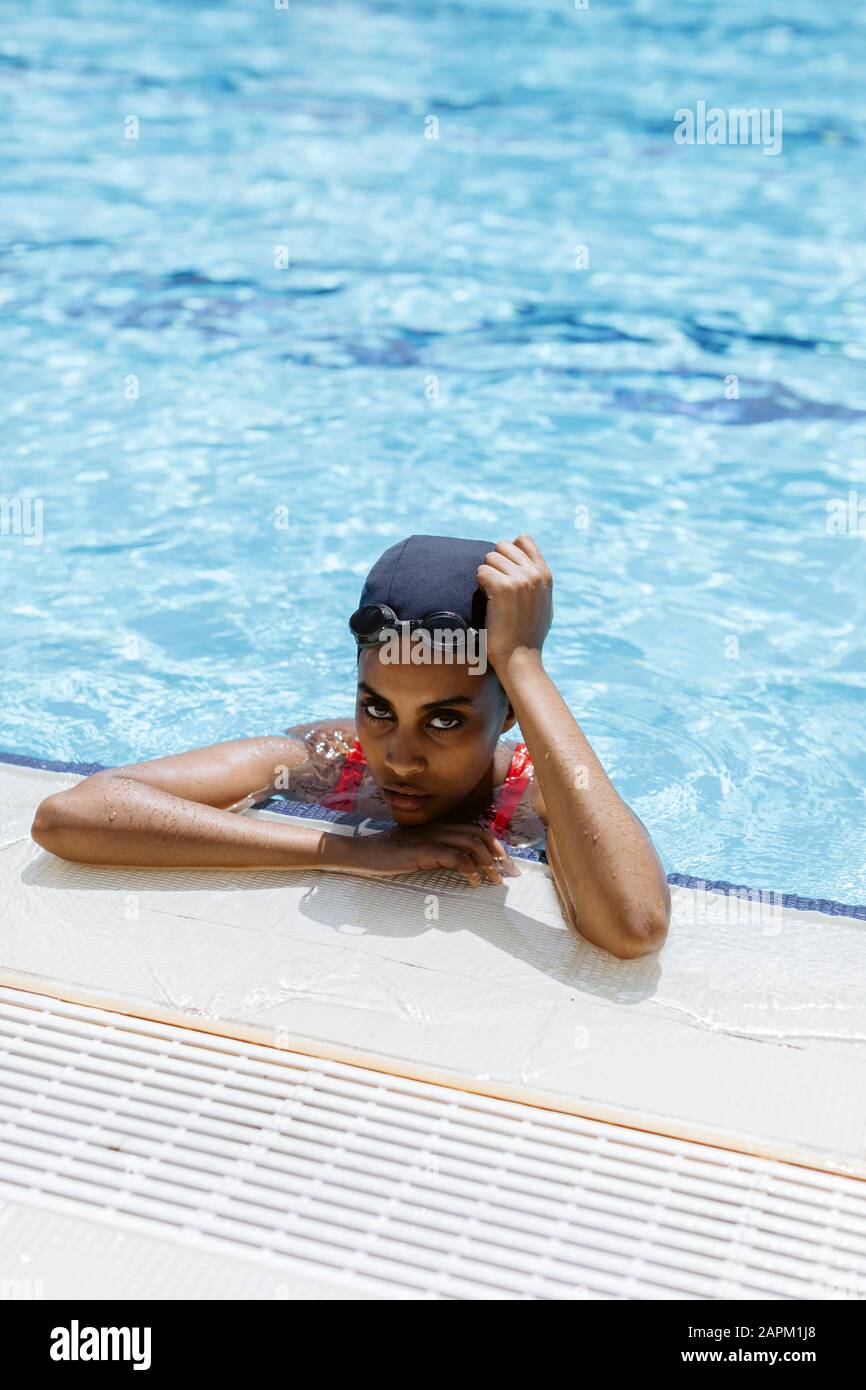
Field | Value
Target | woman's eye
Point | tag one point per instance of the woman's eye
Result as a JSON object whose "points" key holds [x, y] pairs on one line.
{"points": [[445, 722], [377, 711]]}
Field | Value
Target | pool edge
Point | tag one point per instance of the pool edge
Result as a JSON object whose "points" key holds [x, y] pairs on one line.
{"points": [[796, 902]]}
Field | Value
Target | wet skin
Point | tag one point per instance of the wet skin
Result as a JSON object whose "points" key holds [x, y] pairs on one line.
{"points": [[429, 735]]}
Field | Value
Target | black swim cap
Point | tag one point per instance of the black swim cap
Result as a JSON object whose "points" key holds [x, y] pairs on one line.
{"points": [[429, 574]]}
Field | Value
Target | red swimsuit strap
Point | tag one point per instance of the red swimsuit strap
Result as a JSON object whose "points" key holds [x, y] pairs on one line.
{"points": [[344, 795], [512, 789], [342, 798]]}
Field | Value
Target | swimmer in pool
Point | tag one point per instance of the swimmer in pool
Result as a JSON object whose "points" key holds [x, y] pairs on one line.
{"points": [[449, 636]]}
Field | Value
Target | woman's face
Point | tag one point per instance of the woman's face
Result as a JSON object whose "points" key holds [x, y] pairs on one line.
{"points": [[429, 733]]}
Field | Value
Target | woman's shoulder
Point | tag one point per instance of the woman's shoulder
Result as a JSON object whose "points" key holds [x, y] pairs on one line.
{"points": [[514, 766], [325, 738], [512, 758], [327, 743]]}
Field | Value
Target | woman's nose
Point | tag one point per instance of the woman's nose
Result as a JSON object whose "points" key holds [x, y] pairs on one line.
{"points": [[403, 759]]}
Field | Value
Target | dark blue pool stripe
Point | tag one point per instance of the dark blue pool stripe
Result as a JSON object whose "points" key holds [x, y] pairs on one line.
{"points": [[771, 898], [313, 812], [49, 764]]}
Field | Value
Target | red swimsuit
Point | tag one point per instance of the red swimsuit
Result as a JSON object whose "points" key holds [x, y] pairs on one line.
{"points": [[505, 802]]}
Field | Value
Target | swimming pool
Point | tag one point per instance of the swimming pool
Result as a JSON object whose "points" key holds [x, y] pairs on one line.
{"points": [[221, 442]]}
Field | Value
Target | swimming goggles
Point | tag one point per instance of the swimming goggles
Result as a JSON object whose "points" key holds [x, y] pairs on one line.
{"points": [[374, 623]]}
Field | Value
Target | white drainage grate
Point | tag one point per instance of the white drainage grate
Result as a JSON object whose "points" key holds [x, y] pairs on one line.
{"points": [[404, 1188]]}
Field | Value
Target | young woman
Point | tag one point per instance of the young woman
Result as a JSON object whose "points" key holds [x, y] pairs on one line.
{"points": [[423, 751]]}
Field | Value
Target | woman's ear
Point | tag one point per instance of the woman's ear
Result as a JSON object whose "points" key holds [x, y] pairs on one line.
{"points": [[509, 721]]}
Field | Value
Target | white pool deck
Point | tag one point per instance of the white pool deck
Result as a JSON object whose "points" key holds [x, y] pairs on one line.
{"points": [[747, 1032]]}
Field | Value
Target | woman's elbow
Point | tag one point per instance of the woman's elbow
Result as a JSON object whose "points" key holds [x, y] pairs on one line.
{"points": [[51, 826], [643, 933], [625, 931]]}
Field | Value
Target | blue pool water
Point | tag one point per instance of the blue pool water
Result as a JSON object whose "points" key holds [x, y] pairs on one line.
{"points": [[164, 608]]}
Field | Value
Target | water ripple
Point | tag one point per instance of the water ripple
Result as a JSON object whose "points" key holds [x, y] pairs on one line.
{"points": [[445, 269]]}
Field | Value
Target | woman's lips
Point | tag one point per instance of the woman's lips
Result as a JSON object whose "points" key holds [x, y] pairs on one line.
{"points": [[405, 800]]}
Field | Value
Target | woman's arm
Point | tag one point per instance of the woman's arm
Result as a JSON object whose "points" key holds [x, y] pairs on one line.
{"points": [[179, 812], [607, 871]]}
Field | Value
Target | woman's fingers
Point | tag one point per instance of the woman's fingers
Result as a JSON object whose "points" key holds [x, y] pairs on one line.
{"points": [[488, 578], [497, 848], [502, 859], [529, 553], [511, 551], [467, 839], [498, 560], [528, 546], [524, 549], [500, 854], [472, 852], [514, 562], [484, 858], [483, 847], [476, 838], [463, 863]]}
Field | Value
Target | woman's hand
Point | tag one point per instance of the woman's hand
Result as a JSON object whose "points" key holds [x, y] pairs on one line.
{"points": [[465, 849], [519, 589]]}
